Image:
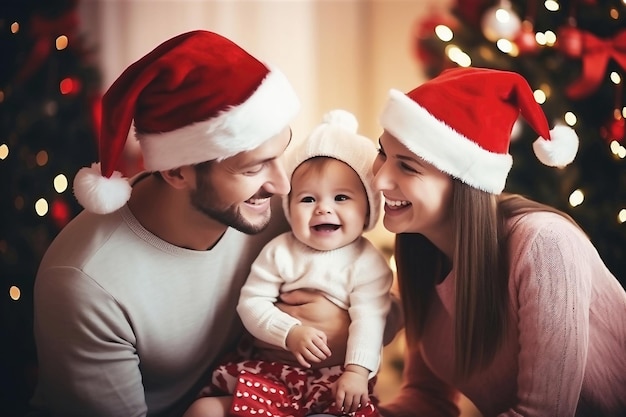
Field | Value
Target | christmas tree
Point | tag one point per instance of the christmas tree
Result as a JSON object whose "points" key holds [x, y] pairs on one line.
{"points": [[573, 54], [48, 91]]}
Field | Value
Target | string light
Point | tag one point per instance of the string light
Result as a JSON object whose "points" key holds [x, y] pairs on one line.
{"points": [[458, 56], [4, 151], [621, 216], [505, 46], [15, 293], [61, 42], [550, 38], [540, 96], [66, 86], [540, 37], [60, 183], [570, 118], [617, 149], [552, 5], [41, 158], [41, 207], [444, 33], [15, 27], [576, 198]]}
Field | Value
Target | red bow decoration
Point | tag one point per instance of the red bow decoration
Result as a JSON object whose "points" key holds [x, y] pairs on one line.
{"points": [[596, 53], [45, 31]]}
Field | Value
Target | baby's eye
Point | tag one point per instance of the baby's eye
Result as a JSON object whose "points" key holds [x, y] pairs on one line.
{"points": [[341, 197], [307, 199]]}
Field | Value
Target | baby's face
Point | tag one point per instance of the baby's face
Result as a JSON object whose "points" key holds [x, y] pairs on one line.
{"points": [[328, 204]]}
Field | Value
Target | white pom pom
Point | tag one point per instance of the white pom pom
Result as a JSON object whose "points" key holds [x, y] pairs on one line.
{"points": [[560, 150], [342, 118], [98, 194]]}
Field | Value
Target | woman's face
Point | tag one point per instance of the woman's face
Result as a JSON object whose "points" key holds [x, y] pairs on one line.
{"points": [[417, 195]]}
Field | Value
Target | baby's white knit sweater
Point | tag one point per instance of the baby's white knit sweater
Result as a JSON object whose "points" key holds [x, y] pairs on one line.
{"points": [[355, 277]]}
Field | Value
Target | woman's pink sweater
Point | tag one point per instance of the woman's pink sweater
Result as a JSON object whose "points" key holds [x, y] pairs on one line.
{"points": [[565, 349]]}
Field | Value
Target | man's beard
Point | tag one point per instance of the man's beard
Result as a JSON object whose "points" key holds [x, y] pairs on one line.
{"points": [[204, 199]]}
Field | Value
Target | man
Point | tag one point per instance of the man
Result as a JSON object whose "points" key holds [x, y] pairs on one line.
{"points": [[135, 299]]}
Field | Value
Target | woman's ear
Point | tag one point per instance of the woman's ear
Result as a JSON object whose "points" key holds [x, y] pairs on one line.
{"points": [[179, 178]]}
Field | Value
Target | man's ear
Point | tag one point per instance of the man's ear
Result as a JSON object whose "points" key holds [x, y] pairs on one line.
{"points": [[180, 178]]}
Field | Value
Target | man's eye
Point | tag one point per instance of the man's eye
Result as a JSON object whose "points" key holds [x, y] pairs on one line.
{"points": [[341, 197], [254, 170]]}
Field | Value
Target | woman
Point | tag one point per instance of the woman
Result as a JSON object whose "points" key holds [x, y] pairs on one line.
{"points": [[506, 300]]}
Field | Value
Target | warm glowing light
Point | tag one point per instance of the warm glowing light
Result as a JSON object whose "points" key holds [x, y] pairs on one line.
{"points": [[41, 158], [617, 149], [458, 56], [504, 45], [550, 38], [41, 207], [551, 5], [15, 27], [60, 183], [4, 151], [624, 108], [540, 37], [540, 96], [615, 78], [570, 118], [576, 198], [621, 216], [444, 33], [15, 293], [502, 15], [66, 86], [61, 42], [614, 13]]}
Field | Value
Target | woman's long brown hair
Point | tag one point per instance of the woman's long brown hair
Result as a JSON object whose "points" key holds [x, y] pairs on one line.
{"points": [[480, 264]]}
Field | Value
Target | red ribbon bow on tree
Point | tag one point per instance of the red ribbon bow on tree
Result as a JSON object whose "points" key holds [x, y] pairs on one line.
{"points": [[45, 30], [595, 54]]}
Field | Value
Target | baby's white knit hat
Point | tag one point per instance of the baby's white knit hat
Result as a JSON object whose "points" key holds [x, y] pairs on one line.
{"points": [[336, 137]]}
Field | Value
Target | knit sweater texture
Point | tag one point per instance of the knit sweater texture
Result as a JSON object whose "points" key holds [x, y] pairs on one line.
{"points": [[355, 277], [564, 353], [127, 324]]}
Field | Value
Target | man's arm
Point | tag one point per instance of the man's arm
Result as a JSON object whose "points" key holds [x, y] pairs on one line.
{"points": [[315, 310]]}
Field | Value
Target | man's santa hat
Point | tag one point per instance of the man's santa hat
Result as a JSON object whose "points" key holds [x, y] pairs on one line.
{"points": [[461, 122], [196, 97]]}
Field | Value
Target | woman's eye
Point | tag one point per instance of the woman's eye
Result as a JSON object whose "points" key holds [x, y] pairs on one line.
{"points": [[381, 153], [408, 168]]}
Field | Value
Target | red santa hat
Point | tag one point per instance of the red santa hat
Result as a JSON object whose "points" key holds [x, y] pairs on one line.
{"points": [[196, 97], [461, 122]]}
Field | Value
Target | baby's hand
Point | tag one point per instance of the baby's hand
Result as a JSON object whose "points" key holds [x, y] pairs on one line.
{"points": [[307, 344], [351, 391]]}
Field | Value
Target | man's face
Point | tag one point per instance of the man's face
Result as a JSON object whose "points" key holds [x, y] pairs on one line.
{"points": [[237, 190]]}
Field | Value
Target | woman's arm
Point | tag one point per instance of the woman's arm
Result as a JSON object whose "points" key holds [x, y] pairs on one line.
{"points": [[422, 393]]}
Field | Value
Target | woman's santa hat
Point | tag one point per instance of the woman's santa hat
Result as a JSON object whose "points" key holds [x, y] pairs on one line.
{"points": [[461, 122], [196, 97]]}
